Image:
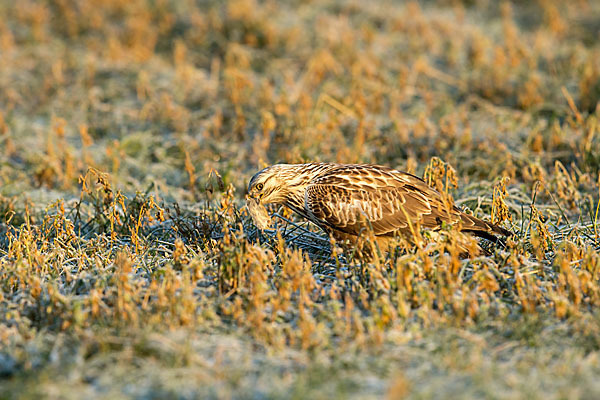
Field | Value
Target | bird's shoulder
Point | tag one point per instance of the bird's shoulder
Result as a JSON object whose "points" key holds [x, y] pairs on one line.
{"points": [[369, 177]]}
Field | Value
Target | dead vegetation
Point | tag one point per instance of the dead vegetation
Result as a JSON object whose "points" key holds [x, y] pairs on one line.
{"points": [[129, 266]]}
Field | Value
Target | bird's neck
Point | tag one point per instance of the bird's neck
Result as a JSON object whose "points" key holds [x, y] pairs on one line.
{"points": [[295, 198], [295, 201], [297, 180]]}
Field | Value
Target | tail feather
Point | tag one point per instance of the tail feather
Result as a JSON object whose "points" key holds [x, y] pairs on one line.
{"points": [[482, 228]]}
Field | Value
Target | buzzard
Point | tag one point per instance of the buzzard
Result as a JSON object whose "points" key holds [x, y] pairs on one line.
{"points": [[346, 199]]}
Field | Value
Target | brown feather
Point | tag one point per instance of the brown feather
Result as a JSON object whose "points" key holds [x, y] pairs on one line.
{"points": [[389, 200]]}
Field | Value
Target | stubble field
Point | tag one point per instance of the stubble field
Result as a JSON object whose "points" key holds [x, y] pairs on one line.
{"points": [[129, 267]]}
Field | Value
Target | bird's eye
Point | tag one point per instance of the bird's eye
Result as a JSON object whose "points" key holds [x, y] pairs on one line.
{"points": [[259, 186]]}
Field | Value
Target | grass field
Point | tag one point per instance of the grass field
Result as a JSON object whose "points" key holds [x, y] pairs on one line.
{"points": [[129, 267]]}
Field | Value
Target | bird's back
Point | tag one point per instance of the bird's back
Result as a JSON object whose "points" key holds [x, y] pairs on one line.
{"points": [[351, 197]]}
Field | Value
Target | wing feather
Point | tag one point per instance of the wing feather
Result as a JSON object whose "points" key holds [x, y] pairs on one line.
{"points": [[350, 197]]}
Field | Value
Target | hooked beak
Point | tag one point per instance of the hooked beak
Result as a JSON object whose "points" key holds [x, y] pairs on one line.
{"points": [[253, 196]]}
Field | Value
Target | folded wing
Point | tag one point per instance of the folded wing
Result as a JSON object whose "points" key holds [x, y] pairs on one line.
{"points": [[352, 197]]}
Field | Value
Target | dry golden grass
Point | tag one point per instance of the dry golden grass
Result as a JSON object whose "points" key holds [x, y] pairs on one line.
{"points": [[130, 268]]}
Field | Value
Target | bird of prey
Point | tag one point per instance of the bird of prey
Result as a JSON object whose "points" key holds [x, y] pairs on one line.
{"points": [[347, 199]]}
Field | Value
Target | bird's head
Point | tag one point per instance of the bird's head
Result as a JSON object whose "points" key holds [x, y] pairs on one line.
{"points": [[268, 186], [276, 183]]}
